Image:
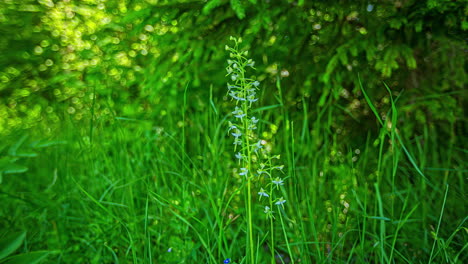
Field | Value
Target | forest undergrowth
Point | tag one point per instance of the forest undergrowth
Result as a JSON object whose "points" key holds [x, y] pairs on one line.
{"points": [[291, 189]]}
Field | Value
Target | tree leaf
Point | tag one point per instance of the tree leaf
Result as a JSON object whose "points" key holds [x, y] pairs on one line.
{"points": [[210, 6], [238, 8]]}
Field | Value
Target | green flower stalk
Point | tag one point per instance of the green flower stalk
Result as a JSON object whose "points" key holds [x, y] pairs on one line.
{"points": [[243, 91], [248, 148]]}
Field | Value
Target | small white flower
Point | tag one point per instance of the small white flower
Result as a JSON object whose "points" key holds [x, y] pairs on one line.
{"points": [[232, 127], [260, 172], [231, 86], [258, 146], [240, 116], [237, 142], [278, 182], [252, 125], [280, 201], [238, 113], [263, 193], [234, 76], [244, 171], [279, 167], [256, 83], [269, 212], [234, 96], [239, 156], [236, 135], [251, 98]]}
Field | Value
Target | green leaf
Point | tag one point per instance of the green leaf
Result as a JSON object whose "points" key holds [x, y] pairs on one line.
{"points": [[28, 258], [369, 102], [14, 148], [43, 144], [411, 62], [13, 168], [464, 25], [11, 243], [380, 218], [418, 26], [210, 6], [268, 107], [238, 8], [5, 161], [27, 154]]}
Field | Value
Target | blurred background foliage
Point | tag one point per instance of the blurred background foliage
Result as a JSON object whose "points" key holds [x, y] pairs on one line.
{"points": [[100, 59]]}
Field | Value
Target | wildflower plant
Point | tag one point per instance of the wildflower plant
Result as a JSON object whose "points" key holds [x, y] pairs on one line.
{"points": [[256, 165]]}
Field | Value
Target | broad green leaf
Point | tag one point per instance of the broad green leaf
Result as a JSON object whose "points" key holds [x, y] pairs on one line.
{"points": [[28, 258], [11, 243]]}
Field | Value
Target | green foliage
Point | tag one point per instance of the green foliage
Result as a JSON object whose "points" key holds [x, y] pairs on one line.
{"points": [[10, 243], [113, 140], [238, 8], [145, 51]]}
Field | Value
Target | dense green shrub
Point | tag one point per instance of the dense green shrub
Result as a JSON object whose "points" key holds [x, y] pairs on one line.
{"points": [[136, 54]]}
